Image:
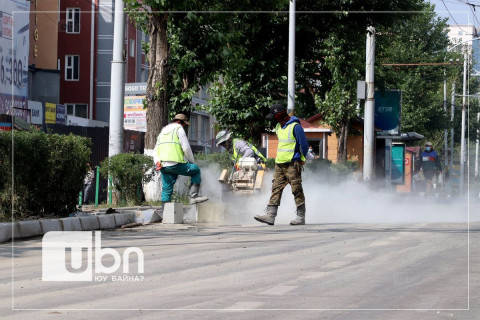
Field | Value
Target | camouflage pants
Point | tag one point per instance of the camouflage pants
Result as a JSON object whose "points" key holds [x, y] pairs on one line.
{"points": [[285, 173]]}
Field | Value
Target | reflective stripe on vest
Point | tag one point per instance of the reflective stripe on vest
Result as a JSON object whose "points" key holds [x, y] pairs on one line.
{"points": [[286, 143], [169, 147], [235, 152]]}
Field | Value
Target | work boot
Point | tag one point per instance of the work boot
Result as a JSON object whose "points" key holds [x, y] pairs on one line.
{"points": [[194, 197], [269, 216], [300, 220]]}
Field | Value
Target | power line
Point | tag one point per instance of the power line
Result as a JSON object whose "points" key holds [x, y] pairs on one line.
{"points": [[452, 16]]}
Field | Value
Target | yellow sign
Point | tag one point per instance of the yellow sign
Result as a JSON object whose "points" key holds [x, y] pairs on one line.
{"points": [[50, 112]]}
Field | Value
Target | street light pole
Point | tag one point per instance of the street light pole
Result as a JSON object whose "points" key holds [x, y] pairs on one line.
{"points": [[291, 59], [445, 132], [117, 83], [369, 116], [452, 116], [462, 136]]}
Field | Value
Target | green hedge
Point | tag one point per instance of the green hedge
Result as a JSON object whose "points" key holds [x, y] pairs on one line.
{"points": [[129, 171], [48, 171]]}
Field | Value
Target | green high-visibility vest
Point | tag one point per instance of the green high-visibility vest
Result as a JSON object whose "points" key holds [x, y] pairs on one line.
{"points": [[286, 143], [255, 150], [169, 147]]}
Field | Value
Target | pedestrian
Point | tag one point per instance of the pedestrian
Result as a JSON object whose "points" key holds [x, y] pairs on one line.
{"points": [[87, 183], [240, 147], [310, 154], [291, 151], [175, 157], [430, 164]]}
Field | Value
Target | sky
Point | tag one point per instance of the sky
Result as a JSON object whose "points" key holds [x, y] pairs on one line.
{"points": [[458, 11]]}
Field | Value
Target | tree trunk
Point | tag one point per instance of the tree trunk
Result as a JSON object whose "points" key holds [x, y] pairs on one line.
{"points": [[343, 141], [157, 113]]}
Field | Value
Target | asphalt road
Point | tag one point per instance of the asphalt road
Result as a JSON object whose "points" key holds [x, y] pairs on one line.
{"points": [[332, 271]]}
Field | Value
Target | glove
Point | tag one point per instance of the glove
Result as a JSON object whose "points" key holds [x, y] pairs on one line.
{"points": [[158, 166]]}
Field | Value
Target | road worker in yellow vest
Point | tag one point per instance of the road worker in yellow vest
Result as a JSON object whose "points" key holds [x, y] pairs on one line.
{"points": [[174, 157], [291, 151], [241, 148]]}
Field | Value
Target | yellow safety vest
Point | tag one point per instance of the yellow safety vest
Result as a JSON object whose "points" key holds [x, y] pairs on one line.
{"points": [[169, 147], [286, 143]]}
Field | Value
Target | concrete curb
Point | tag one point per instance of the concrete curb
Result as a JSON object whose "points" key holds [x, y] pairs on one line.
{"points": [[89, 223], [51, 225], [123, 218], [28, 229], [5, 232], [34, 228], [106, 221], [71, 224]]}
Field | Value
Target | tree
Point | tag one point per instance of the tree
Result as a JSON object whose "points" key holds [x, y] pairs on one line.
{"points": [[421, 39], [329, 60], [189, 43]]}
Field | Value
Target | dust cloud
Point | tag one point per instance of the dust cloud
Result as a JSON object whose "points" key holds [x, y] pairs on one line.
{"points": [[338, 202]]}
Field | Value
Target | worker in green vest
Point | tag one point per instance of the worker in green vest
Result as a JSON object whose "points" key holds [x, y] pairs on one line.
{"points": [[291, 151], [174, 157], [241, 148]]}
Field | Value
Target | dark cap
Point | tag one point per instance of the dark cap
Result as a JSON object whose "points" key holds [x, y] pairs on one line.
{"points": [[276, 108]]}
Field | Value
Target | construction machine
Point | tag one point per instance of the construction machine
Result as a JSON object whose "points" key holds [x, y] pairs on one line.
{"points": [[245, 177]]}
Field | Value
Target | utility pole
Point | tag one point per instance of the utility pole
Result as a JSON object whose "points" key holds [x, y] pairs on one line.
{"points": [[117, 83], [291, 58], [452, 116], [369, 116], [476, 148], [464, 111], [445, 132]]}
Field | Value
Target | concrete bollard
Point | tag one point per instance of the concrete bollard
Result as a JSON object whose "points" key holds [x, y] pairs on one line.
{"points": [[173, 212], [208, 212]]}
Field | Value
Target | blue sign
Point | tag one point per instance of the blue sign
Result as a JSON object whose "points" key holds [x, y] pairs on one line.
{"points": [[398, 164], [61, 114], [387, 111]]}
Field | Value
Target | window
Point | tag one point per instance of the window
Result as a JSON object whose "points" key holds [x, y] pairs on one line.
{"points": [[204, 129], [73, 20], [460, 33], [77, 109], [132, 48], [192, 131], [72, 67]]}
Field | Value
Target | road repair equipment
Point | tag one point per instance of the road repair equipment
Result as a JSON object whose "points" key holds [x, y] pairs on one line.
{"points": [[245, 177]]}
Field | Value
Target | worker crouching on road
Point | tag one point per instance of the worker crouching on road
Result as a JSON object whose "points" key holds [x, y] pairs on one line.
{"points": [[291, 151], [240, 147], [175, 158]]}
